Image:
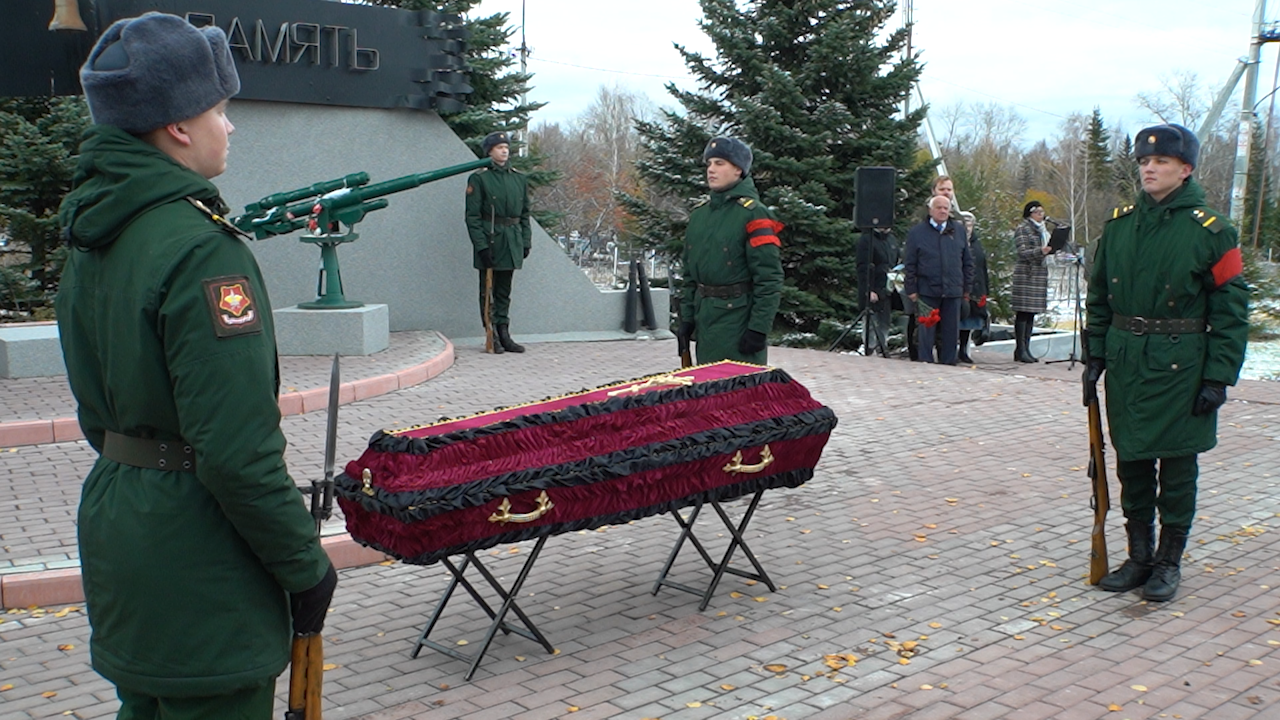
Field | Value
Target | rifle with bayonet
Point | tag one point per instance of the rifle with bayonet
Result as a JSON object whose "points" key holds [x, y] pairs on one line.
{"points": [[1100, 499], [306, 672]]}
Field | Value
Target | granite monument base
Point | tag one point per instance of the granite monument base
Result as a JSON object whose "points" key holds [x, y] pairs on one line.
{"points": [[355, 331]]}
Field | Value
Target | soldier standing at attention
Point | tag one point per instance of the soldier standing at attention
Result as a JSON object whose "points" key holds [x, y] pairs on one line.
{"points": [[498, 224], [197, 554], [1168, 319], [732, 269]]}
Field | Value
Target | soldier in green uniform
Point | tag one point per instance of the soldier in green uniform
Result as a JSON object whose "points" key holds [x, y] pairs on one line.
{"points": [[1167, 323], [498, 224], [732, 271], [198, 556]]}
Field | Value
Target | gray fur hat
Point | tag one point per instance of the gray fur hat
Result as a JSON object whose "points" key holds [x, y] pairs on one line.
{"points": [[1168, 140], [493, 140], [731, 149], [156, 69]]}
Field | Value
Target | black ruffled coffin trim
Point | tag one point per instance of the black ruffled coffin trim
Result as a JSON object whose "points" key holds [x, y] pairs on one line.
{"points": [[416, 505], [791, 479], [382, 441]]}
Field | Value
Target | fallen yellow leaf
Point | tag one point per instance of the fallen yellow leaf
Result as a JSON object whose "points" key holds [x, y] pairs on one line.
{"points": [[727, 687], [1114, 707], [926, 687], [694, 704], [776, 668], [1139, 688], [3, 688], [572, 708], [65, 648], [329, 666], [1255, 662], [48, 694], [903, 661], [935, 625]]}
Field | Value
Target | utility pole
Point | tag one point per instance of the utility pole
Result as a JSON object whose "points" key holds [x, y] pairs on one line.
{"points": [[524, 70], [908, 12], [1244, 138]]}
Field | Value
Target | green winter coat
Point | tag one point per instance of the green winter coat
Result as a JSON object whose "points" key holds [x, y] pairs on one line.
{"points": [[167, 333], [498, 216], [1172, 260], [732, 238]]}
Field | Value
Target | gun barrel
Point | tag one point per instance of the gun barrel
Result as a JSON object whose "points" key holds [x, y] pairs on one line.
{"points": [[320, 188], [408, 182]]}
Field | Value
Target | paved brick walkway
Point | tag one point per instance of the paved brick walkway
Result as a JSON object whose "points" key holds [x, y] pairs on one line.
{"points": [[950, 510]]}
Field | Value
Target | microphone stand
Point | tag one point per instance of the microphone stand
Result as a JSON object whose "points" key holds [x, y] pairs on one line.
{"points": [[1076, 265]]}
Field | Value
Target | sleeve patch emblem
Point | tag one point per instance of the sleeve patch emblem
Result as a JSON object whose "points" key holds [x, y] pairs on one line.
{"points": [[231, 302]]}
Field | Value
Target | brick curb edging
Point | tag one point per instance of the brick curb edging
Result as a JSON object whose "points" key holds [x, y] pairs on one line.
{"points": [[41, 432], [62, 587]]}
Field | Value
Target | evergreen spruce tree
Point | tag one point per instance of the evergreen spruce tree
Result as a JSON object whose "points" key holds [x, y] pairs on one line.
{"points": [[498, 87], [1097, 153], [38, 141], [816, 91], [1124, 171]]}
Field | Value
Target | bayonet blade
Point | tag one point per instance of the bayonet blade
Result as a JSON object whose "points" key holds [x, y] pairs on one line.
{"points": [[331, 430]]}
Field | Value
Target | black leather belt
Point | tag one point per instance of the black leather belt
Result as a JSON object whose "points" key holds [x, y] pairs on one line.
{"points": [[151, 454], [505, 221], [1158, 326], [724, 292]]}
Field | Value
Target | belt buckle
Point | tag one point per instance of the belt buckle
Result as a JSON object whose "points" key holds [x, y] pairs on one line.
{"points": [[1138, 326]]}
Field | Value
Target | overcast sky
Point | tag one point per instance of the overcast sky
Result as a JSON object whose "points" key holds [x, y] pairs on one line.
{"points": [[1048, 59]]}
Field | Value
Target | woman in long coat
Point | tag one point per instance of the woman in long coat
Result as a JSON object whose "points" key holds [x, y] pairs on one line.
{"points": [[975, 317], [1030, 277]]}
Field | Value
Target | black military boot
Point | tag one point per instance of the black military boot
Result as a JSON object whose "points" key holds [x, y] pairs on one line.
{"points": [[1167, 573], [963, 353], [505, 340], [1137, 569]]}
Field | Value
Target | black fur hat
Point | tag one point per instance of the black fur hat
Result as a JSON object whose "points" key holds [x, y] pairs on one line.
{"points": [[493, 140], [1168, 140], [733, 150], [155, 69]]}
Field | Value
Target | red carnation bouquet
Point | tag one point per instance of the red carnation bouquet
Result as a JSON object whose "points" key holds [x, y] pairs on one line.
{"points": [[926, 315]]}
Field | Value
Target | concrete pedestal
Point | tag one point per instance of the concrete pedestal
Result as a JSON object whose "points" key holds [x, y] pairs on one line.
{"points": [[355, 331], [30, 350]]}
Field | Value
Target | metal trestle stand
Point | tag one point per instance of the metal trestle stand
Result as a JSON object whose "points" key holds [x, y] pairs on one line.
{"points": [[498, 618], [721, 568]]}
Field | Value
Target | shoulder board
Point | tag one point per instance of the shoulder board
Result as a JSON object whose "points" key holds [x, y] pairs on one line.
{"points": [[1208, 219], [222, 222], [746, 202], [1122, 211], [701, 202]]}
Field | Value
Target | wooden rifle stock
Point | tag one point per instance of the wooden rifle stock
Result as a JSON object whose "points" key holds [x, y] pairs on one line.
{"points": [[306, 674], [1101, 499]]}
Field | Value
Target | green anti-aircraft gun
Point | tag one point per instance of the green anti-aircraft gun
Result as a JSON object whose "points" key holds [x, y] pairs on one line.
{"points": [[323, 210]]}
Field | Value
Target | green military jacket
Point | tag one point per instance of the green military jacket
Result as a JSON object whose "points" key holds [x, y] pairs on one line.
{"points": [[1172, 260], [732, 239], [498, 216], [167, 333]]}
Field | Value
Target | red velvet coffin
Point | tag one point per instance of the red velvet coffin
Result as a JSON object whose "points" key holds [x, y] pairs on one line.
{"points": [[596, 457]]}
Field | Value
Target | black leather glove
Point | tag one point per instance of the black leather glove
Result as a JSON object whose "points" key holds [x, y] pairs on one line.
{"points": [[526, 252], [1092, 374], [684, 334], [1212, 396], [751, 342], [486, 258], [310, 606]]}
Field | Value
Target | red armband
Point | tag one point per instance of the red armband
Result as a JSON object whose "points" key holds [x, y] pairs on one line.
{"points": [[764, 231], [1228, 267]]}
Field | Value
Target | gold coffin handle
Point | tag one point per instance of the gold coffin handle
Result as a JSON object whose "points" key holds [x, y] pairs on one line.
{"points": [[736, 466], [504, 514]]}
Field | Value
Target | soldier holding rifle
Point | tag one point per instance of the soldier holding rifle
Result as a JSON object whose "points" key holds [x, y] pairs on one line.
{"points": [[1167, 323], [732, 266], [498, 223], [198, 557]]}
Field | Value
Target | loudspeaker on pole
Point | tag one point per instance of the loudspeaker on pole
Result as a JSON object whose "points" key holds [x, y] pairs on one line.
{"points": [[873, 197]]}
